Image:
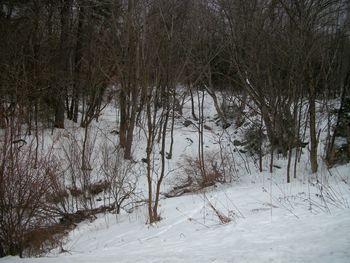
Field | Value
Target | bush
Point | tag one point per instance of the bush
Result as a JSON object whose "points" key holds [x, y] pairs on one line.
{"points": [[203, 174], [23, 191], [199, 174], [120, 177]]}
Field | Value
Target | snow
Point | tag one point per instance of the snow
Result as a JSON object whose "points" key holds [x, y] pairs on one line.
{"points": [[307, 220], [190, 232]]}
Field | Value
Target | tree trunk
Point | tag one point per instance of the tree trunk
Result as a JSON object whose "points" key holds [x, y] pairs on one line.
{"points": [[348, 140], [149, 149], [130, 135], [162, 173], [59, 113], [313, 133], [215, 99], [192, 105], [170, 154], [61, 88], [2, 251], [74, 109]]}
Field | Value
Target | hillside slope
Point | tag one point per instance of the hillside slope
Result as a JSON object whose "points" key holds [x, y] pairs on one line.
{"points": [[257, 217]]}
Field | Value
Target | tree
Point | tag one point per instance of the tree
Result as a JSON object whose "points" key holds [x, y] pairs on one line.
{"points": [[263, 37]]}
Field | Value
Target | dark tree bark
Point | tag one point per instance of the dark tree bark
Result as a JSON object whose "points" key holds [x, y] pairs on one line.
{"points": [[62, 84], [74, 107]]}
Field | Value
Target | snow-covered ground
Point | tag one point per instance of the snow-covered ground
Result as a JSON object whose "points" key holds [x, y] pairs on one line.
{"points": [[287, 224], [307, 220]]}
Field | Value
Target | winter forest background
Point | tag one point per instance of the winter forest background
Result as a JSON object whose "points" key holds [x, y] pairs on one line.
{"points": [[112, 107]]}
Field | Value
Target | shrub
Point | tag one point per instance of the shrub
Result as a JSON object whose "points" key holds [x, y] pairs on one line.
{"points": [[23, 191], [203, 174], [120, 177]]}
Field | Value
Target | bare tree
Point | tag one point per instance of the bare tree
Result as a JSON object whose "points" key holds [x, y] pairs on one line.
{"points": [[263, 38]]}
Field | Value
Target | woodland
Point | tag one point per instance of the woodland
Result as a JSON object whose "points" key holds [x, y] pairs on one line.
{"points": [[277, 64]]}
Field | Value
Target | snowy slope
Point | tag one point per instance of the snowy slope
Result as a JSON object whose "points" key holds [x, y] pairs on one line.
{"points": [[286, 231], [307, 220]]}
